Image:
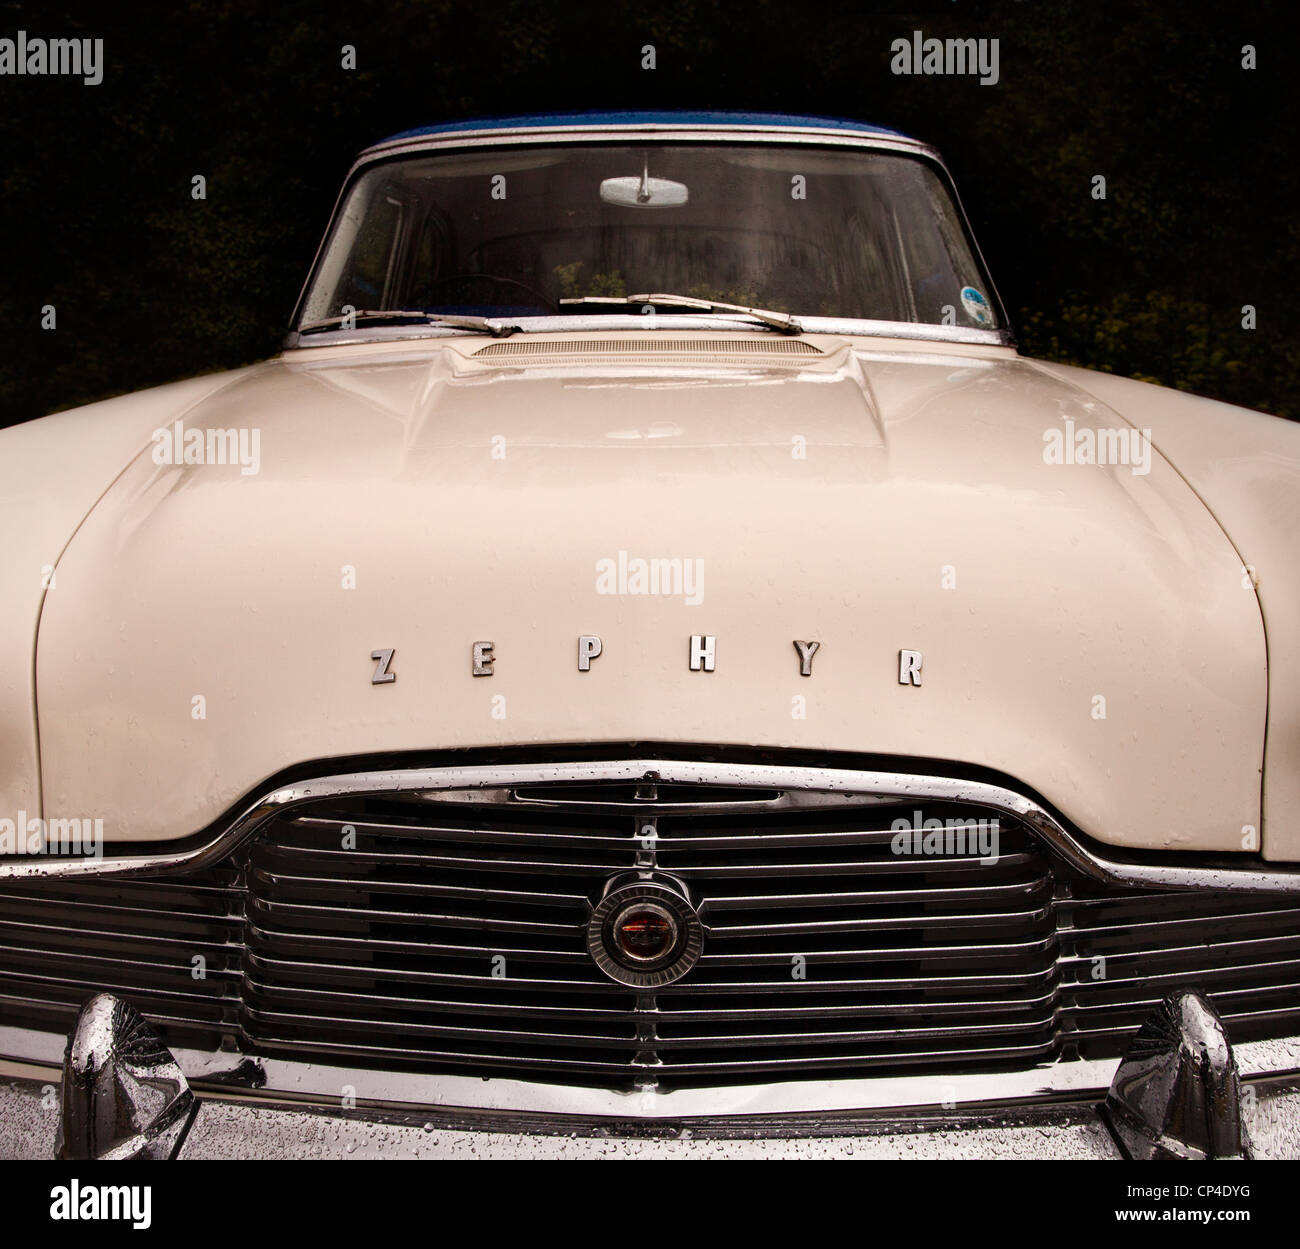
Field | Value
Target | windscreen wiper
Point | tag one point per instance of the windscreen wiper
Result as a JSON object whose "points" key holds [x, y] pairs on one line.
{"points": [[777, 320], [397, 317]]}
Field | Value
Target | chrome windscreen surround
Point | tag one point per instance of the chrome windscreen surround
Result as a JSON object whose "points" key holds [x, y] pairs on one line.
{"points": [[794, 788], [680, 132]]}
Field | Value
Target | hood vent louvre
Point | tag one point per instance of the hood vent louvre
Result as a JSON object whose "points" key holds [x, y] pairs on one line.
{"points": [[533, 348]]}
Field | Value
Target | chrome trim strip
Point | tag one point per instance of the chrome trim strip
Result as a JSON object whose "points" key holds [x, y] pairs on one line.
{"points": [[661, 131], [676, 132], [637, 324], [813, 786], [316, 1084]]}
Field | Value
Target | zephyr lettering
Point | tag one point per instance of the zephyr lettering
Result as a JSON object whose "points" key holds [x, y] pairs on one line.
{"points": [[701, 656], [702, 652], [382, 675], [806, 652], [588, 648]]}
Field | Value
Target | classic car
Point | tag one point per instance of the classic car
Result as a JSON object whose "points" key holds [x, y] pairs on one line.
{"points": [[650, 658]]}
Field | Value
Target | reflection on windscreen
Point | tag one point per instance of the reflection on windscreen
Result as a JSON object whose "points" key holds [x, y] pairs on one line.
{"points": [[813, 232]]}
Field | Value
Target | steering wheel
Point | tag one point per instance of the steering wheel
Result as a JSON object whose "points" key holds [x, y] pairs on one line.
{"points": [[490, 279]]}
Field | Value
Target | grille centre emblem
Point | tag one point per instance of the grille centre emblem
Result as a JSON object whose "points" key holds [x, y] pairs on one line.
{"points": [[644, 932]]}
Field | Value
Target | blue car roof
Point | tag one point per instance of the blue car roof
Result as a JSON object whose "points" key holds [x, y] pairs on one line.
{"points": [[639, 118]]}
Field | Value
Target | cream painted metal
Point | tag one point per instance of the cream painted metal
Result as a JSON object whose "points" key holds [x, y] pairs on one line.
{"points": [[825, 498]]}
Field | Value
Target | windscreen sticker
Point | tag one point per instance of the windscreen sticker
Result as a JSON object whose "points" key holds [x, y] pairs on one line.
{"points": [[977, 307]]}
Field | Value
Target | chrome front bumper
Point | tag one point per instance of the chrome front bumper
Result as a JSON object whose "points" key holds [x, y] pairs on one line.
{"points": [[1182, 1091], [255, 1129]]}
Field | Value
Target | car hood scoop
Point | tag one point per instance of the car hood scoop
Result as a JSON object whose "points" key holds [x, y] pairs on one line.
{"points": [[531, 349]]}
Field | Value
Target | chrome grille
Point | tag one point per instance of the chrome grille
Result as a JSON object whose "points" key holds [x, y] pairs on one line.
{"points": [[823, 951], [63, 940], [1241, 952], [445, 932]]}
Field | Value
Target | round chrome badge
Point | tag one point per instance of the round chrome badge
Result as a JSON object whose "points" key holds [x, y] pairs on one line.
{"points": [[644, 933]]}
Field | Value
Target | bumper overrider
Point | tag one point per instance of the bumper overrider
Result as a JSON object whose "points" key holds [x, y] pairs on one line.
{"points": [[649, 955]]}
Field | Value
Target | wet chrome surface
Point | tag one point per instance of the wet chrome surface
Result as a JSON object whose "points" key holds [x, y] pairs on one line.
{"points": [[801, 787], [238, 1130], [123, 1094], [1176, 1094]]}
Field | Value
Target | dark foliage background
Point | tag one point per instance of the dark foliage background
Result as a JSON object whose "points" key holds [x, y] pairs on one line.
{"points": [[150, 285]]}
